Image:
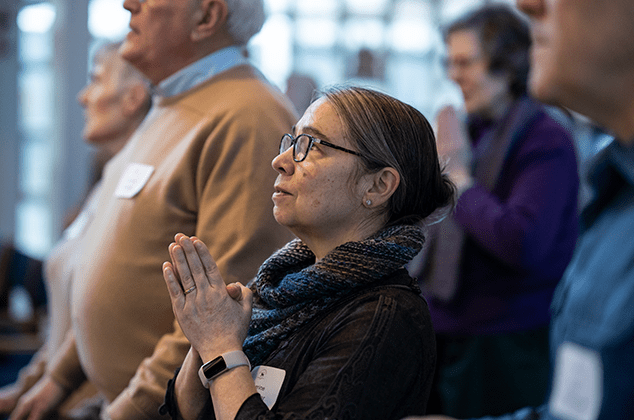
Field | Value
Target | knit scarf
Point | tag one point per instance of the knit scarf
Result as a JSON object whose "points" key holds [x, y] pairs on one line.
{"points": [[291, 288]]}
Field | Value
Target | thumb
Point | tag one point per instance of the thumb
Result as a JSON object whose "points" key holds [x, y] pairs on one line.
{"points": [[235, 291]]}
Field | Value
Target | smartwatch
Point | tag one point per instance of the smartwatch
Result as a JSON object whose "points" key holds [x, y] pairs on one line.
{"points": [[216, 367]]}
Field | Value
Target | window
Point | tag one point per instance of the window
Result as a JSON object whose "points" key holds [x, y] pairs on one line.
{"points": [[34, 224]]}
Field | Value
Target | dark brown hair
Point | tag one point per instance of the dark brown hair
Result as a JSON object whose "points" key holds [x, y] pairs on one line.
{"points": [[505, 39], [390, 133]]}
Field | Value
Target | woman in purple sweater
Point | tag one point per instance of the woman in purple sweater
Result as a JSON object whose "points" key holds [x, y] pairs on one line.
{"points": [[491, 269]]}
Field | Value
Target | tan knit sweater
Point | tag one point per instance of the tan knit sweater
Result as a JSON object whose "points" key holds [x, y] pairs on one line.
{"points": [[211, 150]]}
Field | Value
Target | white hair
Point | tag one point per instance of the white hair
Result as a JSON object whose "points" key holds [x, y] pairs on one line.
{"points": [[245, 19]]}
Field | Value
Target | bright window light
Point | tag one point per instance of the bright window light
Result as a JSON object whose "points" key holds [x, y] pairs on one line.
{"points": [[274, 49], [37, 18], [413, 10], [413, 36], [316, 8], [316, 32], [453, 9], [276, 6], [108, 19], [364, 33], [367, 7]]}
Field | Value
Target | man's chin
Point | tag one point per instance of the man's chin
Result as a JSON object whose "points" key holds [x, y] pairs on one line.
{"points": [[127, 50], [542, 88]]}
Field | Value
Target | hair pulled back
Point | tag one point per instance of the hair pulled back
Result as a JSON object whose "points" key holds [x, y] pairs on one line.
{"points": [[390, 133]]}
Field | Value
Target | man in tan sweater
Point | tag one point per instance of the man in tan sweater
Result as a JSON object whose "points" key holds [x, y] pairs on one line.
{"points": [[199, 164]]}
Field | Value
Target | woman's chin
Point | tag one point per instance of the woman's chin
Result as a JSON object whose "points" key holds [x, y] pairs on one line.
{"points": [[279, 216]]}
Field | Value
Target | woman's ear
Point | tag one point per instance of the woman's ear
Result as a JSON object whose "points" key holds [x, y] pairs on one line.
{"points": [[209, 19], [382, 185]]}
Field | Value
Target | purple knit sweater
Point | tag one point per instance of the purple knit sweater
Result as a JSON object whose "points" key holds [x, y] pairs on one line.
{"points": [[519, 237]]}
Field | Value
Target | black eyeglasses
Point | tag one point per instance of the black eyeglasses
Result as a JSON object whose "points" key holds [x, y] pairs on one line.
{"points": [[303, 143], [461, 63]]}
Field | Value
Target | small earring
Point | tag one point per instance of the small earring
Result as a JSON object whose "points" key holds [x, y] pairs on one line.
{"points": [[368, 202]]}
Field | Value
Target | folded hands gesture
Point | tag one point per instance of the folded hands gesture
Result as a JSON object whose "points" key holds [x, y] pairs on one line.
{"points": [[214, 316]]}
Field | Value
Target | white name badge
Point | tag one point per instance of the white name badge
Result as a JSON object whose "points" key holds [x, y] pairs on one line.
{"points": [[134, 178], [268, 381], [577, 383]]}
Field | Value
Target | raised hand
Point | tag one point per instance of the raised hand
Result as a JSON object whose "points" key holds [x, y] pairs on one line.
{"points": [[453, 147], [214, 316]]}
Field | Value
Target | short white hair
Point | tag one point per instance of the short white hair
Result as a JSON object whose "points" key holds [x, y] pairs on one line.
{"points": [[245, 19]]}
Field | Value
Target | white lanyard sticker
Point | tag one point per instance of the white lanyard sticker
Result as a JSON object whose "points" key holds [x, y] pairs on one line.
{"points": [[134, 178], [577, 383], [268, 381]]}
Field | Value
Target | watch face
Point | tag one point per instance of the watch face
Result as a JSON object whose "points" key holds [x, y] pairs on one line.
{"points": [[214, 367]]}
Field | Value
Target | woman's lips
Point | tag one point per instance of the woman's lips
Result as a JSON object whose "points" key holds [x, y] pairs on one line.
{"points": [[280, 192]]}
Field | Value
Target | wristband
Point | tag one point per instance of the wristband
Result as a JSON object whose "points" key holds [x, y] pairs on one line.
{"points": [[216, 367]]}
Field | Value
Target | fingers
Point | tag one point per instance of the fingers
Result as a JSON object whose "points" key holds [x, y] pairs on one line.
{"points": [[209, 265], [27, 410], [193, 259], [8, 398], [41, 400], [181, 266], [192, 266], [173, 284]]}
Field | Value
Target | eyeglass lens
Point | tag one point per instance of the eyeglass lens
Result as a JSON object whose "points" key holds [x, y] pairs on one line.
{"points": [[300, 143]]}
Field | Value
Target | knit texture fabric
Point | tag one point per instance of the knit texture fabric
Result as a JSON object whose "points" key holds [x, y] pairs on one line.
{"points": [[291, 288]]}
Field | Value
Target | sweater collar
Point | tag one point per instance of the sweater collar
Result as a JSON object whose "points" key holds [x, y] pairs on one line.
{"points": [[199, 72]]}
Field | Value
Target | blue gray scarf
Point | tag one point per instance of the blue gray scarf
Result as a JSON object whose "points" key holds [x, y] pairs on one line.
{"points": [[291, 288]]}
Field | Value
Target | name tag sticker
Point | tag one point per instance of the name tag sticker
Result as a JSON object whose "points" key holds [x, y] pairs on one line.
{"points": [[268, 381], [577, 383], [134, 178]]}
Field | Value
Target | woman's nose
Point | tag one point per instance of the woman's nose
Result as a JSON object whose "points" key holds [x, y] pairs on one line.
{"points": [[284, 163]]}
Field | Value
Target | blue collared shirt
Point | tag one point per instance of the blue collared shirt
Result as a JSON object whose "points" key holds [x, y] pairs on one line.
{"points": [[200, 71]]}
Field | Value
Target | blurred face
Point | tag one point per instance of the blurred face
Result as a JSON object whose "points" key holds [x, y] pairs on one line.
{"points": [[469, 69], [318, 197], [102, 100], [159, 41], [582, 54]]}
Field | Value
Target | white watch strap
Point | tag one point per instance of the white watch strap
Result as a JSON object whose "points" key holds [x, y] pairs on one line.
{"points": [[235, 359], [232, 359]]}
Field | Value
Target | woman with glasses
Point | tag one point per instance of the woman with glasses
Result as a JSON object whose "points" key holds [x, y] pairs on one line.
{"points": [[492, 267], [332, 326]]}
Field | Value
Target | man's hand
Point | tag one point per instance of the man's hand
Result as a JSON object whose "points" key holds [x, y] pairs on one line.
{"points": [[9, 396], [40, 401]]}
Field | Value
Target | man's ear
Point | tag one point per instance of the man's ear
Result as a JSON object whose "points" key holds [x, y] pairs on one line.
{"points": [[209, 19], [382, 185]]}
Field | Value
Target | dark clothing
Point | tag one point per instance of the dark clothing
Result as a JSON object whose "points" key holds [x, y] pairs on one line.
{"points": [[502, 372], [520, 236], [369, 356]]}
